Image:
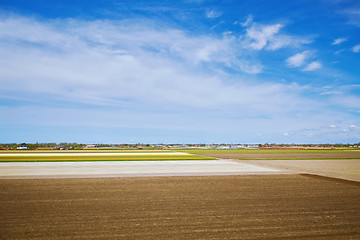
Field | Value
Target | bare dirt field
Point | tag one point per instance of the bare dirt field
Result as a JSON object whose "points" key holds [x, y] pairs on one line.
{"points": [[260, 199], [290, 155], [207, 207], [338, 165], [348, 169]]}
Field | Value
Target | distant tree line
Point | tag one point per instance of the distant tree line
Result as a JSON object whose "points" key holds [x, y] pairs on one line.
{"points": [[35, 146], [75, 146]]}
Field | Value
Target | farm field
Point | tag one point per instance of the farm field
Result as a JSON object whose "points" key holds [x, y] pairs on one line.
{"points": [[333, 163], [197, 154], [30, 170], [103, 195], [344, 164], [337, 168], [208, 207], [278, 154], [17, 156], [270, 151]]}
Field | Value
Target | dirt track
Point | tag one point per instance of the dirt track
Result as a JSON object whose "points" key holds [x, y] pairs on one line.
{"points": [[283, 155], [212, 207]]}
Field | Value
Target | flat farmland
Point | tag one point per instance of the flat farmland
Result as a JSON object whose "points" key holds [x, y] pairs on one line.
{"points": [[278, 154], [207, 207], [84, 169], [344, 164], [96, 156], [82, 196], [337, 168]]}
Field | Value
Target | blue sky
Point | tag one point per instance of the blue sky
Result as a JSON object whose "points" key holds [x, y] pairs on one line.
{"points": [[191, 71]]}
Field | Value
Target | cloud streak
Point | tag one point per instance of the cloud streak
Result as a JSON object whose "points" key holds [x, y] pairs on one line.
{"points": [[313, 66], [213, 14], [298, 59], [339, 41], [356, 48], [268, 36]]}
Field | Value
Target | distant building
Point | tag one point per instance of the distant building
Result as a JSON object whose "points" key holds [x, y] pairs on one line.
{"points": [[62, 148], [23, 147], [224, 147], [90, 146]]}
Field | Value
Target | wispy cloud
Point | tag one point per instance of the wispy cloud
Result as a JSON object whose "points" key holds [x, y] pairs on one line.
{"points": [[298, 59], [339, 41], [356, 48], [347, 101], [336, 131], [353, 14], [260, 36], [340, 51], [249, 20], [111, 63], [354, 128], [268, 36], [313, 66], [213, 13]]}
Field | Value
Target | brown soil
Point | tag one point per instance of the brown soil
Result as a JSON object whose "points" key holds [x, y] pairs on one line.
{"points": [[283, 155], [348, 169], [216, 207]]}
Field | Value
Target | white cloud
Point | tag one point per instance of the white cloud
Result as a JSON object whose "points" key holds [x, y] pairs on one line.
{"points": [[339, 41], [340, 51], [353, 15], [356, 48], [262, 36], [227, 33], [249, 20], [313, 66], [298, 59], [354, 128], [213, 14], [259, 36], [111, 63], [347, 101]]}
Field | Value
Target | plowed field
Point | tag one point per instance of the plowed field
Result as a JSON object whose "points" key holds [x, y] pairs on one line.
{"points": [[208, 207]]}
